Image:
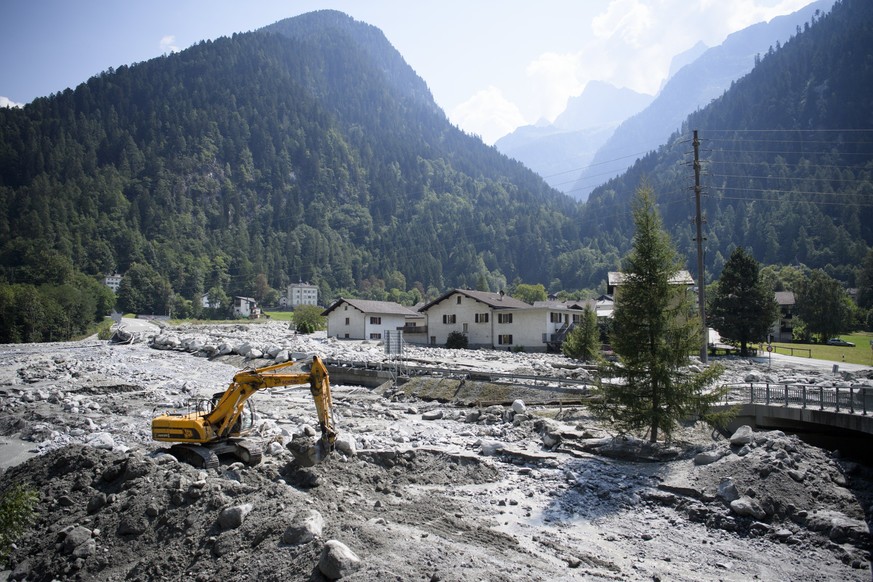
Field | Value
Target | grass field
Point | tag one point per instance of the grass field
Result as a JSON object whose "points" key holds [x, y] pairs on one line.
{"points": [[860, 354], [281, 315]]}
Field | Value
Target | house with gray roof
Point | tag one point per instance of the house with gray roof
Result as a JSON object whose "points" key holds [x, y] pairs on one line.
{"points": [[365, 319], [498, 321]]}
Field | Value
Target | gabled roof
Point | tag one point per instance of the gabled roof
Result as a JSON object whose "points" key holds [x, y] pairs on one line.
{"points": [[564, 304], [616, 278], [368, 306], [493, 300]]}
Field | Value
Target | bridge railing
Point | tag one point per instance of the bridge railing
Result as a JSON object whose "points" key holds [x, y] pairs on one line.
{"points": [[851, 400]]}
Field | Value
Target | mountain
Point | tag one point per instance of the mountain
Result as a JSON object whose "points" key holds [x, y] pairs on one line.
{"points": [[691, 88], [787, 154], [679, 61], [560, 150], [307, 150]]}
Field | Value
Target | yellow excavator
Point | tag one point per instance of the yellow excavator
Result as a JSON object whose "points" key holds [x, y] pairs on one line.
{"points": [[201, 436]]}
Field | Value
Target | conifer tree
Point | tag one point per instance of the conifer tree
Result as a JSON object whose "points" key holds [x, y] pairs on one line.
{"points": [[583, 341], [651, 387], [743, 307]]}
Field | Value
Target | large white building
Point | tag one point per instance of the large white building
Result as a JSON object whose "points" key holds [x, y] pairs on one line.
{"points": [[364, 319], [301, 294], [113, 281]]}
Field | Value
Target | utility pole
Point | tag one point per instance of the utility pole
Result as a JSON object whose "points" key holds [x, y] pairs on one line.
{"points": [[701, 300]]}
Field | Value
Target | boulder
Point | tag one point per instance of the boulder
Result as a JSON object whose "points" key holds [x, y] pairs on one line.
{"points": [[518, 406], [346, 445], [746, 506], [727, 490], [233, 517], [306, 526], [244, 349], [491, 448], [78, 542], [742, 436], [337, 560], [432, 415], [707, 457]]}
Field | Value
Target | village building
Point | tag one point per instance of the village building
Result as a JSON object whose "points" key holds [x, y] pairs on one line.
{"points": [[615, 279], [113, 281], [498, 321], [246, 307], [300, 294], [361, 319], [488, 320], [783, 328]]}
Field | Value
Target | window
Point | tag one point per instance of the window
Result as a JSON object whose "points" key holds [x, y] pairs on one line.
{"points": [[555, 317], [375, 336], [347, 321], [465, 327], [375, 320], [504, 340], [482, 318], [504, 318], [577, 318], [459, 299], [449, 319]]}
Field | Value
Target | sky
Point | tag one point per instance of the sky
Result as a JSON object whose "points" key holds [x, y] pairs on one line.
{"points": [[492, 65]]}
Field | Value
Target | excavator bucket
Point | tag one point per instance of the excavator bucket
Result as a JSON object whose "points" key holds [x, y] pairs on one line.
{"points": [[308, 452]]}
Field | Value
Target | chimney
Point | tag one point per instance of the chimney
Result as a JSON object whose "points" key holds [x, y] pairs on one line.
{"points": [[501, 295]]}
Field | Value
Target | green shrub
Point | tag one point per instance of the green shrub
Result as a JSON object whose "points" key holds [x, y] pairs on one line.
{"points": [[16, 513], [456, 341]]}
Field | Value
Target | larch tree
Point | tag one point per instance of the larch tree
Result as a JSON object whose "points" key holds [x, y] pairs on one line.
{"points": [[743, 307], [652, 387]]}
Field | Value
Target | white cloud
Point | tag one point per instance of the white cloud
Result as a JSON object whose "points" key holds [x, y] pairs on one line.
{"points": [[168, 44], [628, 43], [555, 81], [630, 20], [487, 114], [7, 102]]}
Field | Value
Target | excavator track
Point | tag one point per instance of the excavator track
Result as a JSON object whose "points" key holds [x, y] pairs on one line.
{"points": [[195, 455], [249, 452]]}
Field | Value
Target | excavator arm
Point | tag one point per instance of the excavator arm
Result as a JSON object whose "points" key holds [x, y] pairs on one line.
{"points": [[222, 422]]}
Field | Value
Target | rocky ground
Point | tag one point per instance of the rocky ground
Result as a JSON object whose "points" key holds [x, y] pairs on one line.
{"points": [[419, 489]]}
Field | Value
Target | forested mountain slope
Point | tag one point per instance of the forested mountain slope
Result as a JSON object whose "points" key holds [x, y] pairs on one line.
{"points": [[787, 158], [308, 150], [691, 88]]}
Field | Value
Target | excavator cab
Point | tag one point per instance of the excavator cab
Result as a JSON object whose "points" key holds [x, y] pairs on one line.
{"points": [[199, 437]]}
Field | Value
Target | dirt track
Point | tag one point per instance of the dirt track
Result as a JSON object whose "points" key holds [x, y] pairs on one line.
{"points": [[421, 490]]}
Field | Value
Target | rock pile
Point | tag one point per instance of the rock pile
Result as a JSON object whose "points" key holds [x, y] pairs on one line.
{"points": [[437, 489]]}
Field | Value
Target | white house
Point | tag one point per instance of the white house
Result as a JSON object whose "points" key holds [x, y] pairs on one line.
{"points": [[487, 319], [615, 279], [495, 320], [782, 329], [301, 294], [246, 307], [365, 319], [113, 281]]}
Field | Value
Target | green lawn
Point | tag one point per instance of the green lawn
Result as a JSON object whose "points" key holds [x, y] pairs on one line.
{"points": [[860, 354], [281, 315]]}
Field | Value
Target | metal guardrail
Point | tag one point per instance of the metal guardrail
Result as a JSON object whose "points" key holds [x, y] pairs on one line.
{"points": [[851, 400]]}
